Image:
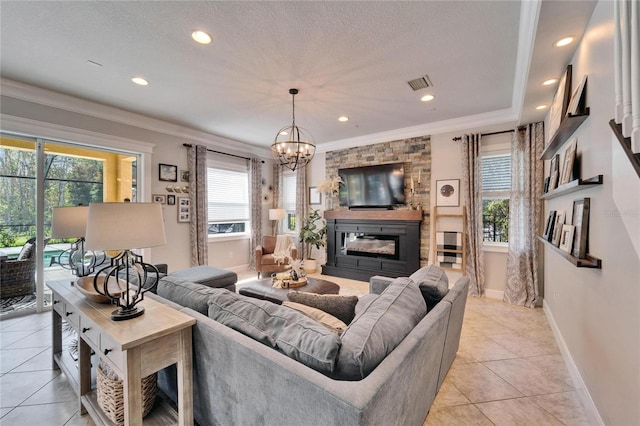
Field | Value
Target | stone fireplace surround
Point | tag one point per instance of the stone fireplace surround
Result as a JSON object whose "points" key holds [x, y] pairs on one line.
{"points": [[415, 153], [402, 226]]}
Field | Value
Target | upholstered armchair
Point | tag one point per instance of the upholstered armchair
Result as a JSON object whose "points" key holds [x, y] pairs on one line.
{"points": [[17, 277], [265, 261]]}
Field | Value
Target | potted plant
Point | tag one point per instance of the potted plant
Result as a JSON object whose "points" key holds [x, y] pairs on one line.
{"points": [[312, 234]]}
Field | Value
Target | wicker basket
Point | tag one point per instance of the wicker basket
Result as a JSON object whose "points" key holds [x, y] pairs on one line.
{"points": [[111, 393]]}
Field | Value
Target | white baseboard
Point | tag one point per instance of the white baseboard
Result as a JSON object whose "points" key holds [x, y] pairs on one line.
{"points": [[581, 387], [241, 268], [494, 294]]}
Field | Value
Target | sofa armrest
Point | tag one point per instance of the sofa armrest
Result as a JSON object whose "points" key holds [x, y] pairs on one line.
{"points": [[378, 283], [294, 252]]}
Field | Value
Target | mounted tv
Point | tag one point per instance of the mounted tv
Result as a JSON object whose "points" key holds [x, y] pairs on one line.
{"points": [[379, 186]]}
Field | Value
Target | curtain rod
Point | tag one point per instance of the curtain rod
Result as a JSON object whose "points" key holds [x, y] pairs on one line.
{"points": [[188, 145], [458, 138]]}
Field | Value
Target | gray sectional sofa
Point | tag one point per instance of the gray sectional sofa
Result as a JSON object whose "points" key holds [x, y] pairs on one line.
{"points": [[240, 381]]}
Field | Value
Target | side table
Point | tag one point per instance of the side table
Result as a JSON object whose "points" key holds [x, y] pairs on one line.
{"points": [[133, 348]]}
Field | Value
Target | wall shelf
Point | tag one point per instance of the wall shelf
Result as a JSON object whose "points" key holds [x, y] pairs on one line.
{"points": [[566, 129], [573, 186], [626, 145], [588, 262]]}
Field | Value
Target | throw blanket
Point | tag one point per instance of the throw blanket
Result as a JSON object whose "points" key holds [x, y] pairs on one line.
{"points": [[283, 249], [449, 241]]}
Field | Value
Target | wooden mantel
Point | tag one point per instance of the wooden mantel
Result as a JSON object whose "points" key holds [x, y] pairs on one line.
{"points": [[373, 214]]}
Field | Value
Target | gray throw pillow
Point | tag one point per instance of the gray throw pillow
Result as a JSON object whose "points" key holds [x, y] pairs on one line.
{"points": [[185, 293], [341, 307], [364, 302], [378, 329], [291, 332], [26, 251], [433, 283]]}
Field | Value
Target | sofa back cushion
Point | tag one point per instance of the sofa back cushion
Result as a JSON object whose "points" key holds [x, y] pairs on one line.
{"points": [[379, 328], [185, 293], [280, 327], [433, 284]]}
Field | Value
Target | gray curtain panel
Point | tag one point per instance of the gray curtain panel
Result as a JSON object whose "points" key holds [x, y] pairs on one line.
{"points": [[301, 199], [472, 191], [277, 184], [527, 176], [255, 194], [198, 232]]}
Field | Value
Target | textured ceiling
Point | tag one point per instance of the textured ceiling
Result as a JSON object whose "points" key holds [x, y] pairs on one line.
{"points": [[346, 58]]}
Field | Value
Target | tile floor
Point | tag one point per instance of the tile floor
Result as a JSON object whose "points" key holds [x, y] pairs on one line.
{"points": [[508, 371]]}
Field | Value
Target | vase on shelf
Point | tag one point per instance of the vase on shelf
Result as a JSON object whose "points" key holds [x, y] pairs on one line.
{"points": [[328, 202]]}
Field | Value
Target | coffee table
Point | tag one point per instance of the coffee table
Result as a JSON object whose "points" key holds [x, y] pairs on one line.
{"points": [[262, 289]]}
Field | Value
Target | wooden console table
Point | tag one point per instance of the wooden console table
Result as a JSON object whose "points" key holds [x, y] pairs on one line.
{"points": [[133, 348]]}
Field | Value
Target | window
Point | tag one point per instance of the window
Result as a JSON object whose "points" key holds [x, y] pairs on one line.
{"points": [[227, 197], [289, 202], [496, 187]]}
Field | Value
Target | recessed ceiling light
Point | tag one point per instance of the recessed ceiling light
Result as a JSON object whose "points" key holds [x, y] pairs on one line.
{"points": [[564, 41], [284, 133], [140, 81], [550, 82], [427, 98], [201, 37], [343, 118], [541, 107]]}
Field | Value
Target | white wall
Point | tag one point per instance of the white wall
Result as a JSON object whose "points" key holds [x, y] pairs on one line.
{"points": [[596, 313], [167, 148]]}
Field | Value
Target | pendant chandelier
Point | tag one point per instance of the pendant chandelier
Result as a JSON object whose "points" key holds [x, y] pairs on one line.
{"points": [[293, 146]]}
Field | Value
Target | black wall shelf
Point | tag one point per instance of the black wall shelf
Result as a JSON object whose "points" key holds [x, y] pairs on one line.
{"points": [[588, 262], [573, 186], [566, 129], [626, 145]]}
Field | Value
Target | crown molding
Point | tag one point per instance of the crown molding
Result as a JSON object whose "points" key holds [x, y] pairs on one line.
{"points": [[529, 14], [50, 98], [34, 128], [504, 116]]}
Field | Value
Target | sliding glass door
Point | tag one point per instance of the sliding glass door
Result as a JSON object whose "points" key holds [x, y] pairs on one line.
{"points": [[37, 175]]}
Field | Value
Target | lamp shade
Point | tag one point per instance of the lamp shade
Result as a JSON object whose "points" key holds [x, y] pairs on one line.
{"points": [[277, 214], [69, 222], [124, 226]]}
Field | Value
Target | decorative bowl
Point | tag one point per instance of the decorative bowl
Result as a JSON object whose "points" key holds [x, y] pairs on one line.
{"points": [[85, 286]]}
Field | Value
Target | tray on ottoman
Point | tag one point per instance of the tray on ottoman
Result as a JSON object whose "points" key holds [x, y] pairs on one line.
{"points": [[263, 289]]}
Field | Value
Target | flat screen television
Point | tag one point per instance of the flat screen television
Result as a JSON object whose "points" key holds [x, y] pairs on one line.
{"points": [[376, 186]]}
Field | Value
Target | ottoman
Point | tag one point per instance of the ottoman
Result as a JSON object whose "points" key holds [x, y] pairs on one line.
{"points": [[209, 276], [262, 289]]}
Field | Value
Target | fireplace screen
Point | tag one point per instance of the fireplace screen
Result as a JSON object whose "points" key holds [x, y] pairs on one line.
{"points": [[361, 244]]}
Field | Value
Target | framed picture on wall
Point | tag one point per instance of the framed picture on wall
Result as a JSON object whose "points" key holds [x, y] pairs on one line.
{"points": [[569, 161], [560, 103], [314, 196], [581, 224], [557, 228], [448, 193], [159, 198], [171, 200], [566, 239], [167, 172], [548, 229], [184, 209]]}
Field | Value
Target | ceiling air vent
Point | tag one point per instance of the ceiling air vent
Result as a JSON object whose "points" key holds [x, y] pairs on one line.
{"points": [[420, 83]]}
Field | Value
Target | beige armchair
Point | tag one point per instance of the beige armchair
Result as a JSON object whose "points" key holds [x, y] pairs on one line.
{"points": [[265, 263]]}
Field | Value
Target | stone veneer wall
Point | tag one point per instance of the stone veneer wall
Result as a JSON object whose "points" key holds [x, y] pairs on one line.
{"points": [[415, 153]]}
